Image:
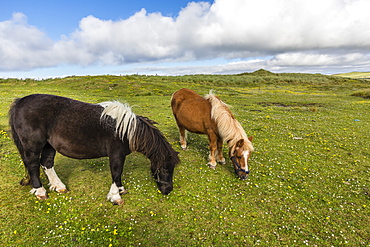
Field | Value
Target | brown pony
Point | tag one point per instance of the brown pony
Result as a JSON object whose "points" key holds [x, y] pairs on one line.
{"points": [[211, 116]]}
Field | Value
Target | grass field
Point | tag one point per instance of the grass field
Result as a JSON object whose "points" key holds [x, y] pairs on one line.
{"points": [[309, 183], [357, 75]]}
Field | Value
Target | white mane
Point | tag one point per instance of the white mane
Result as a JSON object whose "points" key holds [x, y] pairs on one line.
{"points": [[125, 118]]}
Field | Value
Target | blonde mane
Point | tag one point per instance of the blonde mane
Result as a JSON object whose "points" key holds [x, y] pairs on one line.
{"points": [[229, 128], [125, 118]]}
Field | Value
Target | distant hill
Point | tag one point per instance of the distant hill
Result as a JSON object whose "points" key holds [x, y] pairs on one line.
{"points": [[355, 75], [260, 72]]}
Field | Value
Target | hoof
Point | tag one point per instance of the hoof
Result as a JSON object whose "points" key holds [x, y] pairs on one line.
{"points": [[42, 198], [25, 181], [62, 191], [118, 202], [212, 166], [123, 192]]}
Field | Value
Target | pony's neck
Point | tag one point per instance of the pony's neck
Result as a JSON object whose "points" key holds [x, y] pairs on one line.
{"points": [[149, 141], [122, 114]]}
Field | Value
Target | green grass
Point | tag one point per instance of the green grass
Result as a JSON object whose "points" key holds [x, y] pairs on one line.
{"points": [[309, 183], [357, 75], [362, 93]]}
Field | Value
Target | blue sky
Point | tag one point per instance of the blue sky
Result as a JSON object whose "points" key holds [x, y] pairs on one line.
{"points": [[58, 38], [61, 17]]}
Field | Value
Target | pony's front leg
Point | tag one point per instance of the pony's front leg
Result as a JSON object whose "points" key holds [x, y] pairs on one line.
{"points": [[40, 193], [115, 193], [219, 155], [116, 189]]}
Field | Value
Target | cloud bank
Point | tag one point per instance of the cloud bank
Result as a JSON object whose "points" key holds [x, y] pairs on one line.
{"points": [[272, 34]]}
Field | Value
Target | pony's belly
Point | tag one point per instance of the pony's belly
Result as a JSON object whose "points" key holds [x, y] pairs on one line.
{"points": [[199, 127], [196, 131], [81, 155], [80, 151], [195, 123]]}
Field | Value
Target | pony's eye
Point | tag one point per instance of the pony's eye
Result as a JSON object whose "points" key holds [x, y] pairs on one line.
{"points": [[238, 157]]}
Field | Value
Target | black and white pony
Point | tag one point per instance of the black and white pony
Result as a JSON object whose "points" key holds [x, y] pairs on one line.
{"points": [[42, 124]]}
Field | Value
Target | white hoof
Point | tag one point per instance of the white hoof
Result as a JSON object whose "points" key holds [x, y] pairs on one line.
{"points": [[212, 166], [40, 193], [114, 195]]}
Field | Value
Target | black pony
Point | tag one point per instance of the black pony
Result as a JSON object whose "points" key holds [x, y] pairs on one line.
{"points": [[42, 124]]}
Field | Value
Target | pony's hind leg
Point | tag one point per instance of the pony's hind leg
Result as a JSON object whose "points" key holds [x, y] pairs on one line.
{"points": [[47, 163], [183, 133], [26, 180], [29, 148], [31, 162], [212, 150]]}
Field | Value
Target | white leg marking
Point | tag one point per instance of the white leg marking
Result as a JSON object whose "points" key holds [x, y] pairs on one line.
{"points": [[55, 183], [39, 192], [183, 141], [212, 162], [113, 194]]}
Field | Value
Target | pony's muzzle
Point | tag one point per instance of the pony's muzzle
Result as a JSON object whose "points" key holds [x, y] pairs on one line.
{"points": [[165, 188], [164, 181], [242, 174]]}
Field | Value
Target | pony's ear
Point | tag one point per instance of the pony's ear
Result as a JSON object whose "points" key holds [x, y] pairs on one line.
{"points": [[240, 143], [250, 138]]}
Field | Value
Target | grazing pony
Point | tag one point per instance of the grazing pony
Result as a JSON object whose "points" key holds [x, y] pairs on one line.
{"points": [[211, 116], [42, 124]]}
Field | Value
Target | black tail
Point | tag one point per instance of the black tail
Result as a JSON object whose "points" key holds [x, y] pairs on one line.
{"points": [[15, 136]]}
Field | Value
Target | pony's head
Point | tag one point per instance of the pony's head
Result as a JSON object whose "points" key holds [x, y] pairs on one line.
{"points": [[163, 173], [149, 141], [144, 137], [240, 155]]}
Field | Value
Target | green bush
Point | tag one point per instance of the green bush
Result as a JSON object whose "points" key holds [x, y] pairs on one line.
{"points": [[362, 93]]}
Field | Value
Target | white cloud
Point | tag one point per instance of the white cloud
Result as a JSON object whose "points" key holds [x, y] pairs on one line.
{"points": [[287, 62], [289, 32], [23, 46], [142, 37]]}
